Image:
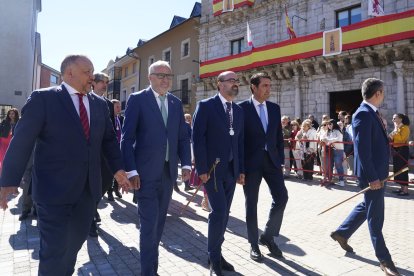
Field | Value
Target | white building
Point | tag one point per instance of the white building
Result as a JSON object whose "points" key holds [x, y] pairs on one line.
{"points": [[19, 52]]}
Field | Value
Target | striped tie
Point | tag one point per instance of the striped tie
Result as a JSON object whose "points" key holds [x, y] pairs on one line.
{"points": [[83, 116]]}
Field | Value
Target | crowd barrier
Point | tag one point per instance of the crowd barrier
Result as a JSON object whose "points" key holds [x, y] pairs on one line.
{"points": [[326, 159]]}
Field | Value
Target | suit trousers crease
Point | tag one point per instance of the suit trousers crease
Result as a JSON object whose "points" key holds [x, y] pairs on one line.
{"points": [[220, 202], [63, 229], [371, 210], [153, 200], [274, 179]]}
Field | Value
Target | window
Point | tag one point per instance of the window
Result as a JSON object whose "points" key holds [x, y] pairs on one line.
{"points": [[126, 72], [151, 60], [185, 48], [123, 99], [167, 56], [134, 68], [348, 16], [237, 46], [184, 92], [54, 79]]}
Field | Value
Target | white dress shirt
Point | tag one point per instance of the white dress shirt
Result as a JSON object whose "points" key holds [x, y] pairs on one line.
{"points": [[75, 99]]}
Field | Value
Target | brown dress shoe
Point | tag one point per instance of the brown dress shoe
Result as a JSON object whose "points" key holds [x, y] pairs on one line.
{"points": [[342, 242], [389, 268]]}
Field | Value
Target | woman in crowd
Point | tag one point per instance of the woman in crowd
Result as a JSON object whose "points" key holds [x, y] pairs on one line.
{"points": [[335, 141], [295, 128], [6, 131], [322, 136], [308, 145], [399, 137]]}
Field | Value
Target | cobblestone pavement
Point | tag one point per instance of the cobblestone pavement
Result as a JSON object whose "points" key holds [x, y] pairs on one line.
{"points": [[304, 239]]}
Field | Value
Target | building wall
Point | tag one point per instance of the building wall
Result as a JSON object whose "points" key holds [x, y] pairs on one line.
{"points": [[18, 21], [303, 86], [46, 79], [182, 67]]}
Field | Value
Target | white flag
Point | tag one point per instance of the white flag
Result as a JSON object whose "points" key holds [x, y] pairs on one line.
{"points": [[374, 8], [249, 36]]}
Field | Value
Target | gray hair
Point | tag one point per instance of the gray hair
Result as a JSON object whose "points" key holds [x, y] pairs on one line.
{"points": [[69, 60], [158, 63]]}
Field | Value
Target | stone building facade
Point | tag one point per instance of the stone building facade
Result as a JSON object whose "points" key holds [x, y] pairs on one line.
{"points": [[303, 80]]}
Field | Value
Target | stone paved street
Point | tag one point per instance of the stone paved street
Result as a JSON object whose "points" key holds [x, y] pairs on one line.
{"points": [[305, 240]]}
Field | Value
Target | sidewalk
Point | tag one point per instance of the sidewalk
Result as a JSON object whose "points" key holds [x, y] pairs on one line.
{"points": [[304, 239]]}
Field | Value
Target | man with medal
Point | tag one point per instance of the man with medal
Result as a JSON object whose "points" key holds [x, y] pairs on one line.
{"points": [[218, 133]]}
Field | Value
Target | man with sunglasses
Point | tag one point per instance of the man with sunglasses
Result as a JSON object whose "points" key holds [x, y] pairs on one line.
{"points": [[218, 134], [154, 137]]}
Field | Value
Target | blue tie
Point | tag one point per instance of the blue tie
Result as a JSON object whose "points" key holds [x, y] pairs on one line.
{"points": [[263, 117], [164, 118]]}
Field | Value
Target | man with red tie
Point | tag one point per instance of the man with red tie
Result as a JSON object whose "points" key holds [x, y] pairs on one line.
{"points": [[69, 129]]}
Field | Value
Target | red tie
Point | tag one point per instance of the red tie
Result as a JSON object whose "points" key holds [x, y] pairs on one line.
{"points": [[83, 116]]}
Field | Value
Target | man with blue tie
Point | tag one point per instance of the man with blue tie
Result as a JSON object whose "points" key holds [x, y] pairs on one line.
{"points": [[371, 153], [69, 128], [218, 134], [154, 137], [263, 158]]}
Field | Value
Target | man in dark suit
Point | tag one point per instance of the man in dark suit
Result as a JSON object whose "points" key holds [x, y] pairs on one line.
{"points": [[118, 122], [263, 158], [218, 133], [99, 86], [371, 166], [70, 129], [154, 137]]}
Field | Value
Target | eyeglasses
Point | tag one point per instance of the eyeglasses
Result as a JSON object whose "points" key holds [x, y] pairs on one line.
{"points": [[232, 81], [162, 76]]}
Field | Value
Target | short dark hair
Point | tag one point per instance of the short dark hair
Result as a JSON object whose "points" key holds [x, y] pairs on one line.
{"points": [[70, 59], [370, 86], [100, 76], [256, 78]]}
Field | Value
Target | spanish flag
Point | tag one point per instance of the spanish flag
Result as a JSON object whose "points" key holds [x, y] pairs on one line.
{"points": [[289, 27]]}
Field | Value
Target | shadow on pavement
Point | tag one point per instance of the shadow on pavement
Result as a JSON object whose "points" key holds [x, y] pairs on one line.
{"points": [[110, 257], [26, 238]]}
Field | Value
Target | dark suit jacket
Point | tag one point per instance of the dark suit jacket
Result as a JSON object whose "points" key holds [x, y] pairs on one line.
{"points": [[255, 138], [144, 136], [5, 128], [371, 146], [211, 137], [64, 161]]}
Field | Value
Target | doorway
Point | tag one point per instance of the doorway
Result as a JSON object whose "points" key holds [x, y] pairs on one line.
{"points": [[348, 101]]}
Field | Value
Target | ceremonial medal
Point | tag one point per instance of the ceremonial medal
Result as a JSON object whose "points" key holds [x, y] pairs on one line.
{"points": [[231, 132]]}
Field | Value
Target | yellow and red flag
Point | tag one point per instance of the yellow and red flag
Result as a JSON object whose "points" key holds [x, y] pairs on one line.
{"points": [[289, 27]]}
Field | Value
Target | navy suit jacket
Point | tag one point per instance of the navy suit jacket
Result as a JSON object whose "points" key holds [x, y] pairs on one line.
{"points": [[144, 136], [211, 138], [371, 146], [255, 137], [64, 160]]}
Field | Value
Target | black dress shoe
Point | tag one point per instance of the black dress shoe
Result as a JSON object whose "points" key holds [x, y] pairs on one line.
{"points": [[226, 265], [24, 215], [342, 242], [215, 269], [118, 194], [176, 188], [111, 197], [271, 245], [255, 253], [188, 187], [389, 268]]}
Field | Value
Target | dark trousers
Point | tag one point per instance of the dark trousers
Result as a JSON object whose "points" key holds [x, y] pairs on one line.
{"points": [[399, 160], [277, 188], [371, 210], [220, 202], [307, 165], [153, 200], [63, 229]]}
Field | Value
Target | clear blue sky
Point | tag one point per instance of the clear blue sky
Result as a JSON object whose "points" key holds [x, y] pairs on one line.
{"points": [[102, 29]]}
